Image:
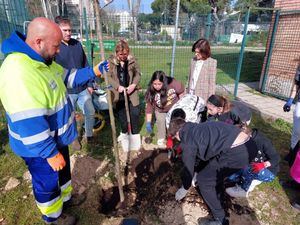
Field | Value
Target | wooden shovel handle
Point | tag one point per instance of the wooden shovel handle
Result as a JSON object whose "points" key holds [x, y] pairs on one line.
{"points": [[127, 111]]}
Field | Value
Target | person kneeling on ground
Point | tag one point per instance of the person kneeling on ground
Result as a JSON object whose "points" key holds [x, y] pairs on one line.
{"points": [[263, 168], [219, 108], [224, 148]]}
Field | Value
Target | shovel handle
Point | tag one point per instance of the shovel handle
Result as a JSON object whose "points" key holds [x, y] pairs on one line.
{"points": [[127, 111]]}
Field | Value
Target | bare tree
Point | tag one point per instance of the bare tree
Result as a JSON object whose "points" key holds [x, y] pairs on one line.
{"points": [[44, 8], [134, 7], [109, 99], [47, 7]]}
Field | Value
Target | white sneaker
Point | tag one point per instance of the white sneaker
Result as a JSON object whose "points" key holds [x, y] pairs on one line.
{"points": [[161, 142], [122, 136], [237, 192], [253, 184], [194, 181]]}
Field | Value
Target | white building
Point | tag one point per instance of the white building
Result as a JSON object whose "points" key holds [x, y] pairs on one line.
{"points": [[75, 13], [170, 29], [124, 18]]}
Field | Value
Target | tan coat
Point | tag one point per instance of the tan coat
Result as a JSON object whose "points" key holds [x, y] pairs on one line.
{"points": [[206, 83], [134, 78]]}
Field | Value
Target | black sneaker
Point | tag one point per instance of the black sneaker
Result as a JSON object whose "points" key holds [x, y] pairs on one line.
{"points": [[296, 205], [211, 221]]}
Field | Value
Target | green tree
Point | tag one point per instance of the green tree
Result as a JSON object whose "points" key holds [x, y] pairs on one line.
{"points": [[186, 6], [149, 21], [242, 4]]}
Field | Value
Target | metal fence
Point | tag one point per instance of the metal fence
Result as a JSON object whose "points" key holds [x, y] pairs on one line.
{"points": [[12, 17], [282, 55], [152, 43]]}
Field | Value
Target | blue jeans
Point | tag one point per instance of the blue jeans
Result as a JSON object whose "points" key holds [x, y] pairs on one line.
{"points": [[244, 177], [84, 102]]}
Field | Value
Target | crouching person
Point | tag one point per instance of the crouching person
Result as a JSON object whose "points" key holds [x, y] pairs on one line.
{"points": [[223, 149], [263, 169]]}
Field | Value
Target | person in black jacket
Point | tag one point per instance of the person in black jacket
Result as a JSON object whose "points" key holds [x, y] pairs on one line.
{"points": [[263, 168], [219, 108], [221, 149]]}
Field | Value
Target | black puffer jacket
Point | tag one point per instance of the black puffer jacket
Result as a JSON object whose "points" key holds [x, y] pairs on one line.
{"points": [[204, 142], [266, 151], [208, 139]]}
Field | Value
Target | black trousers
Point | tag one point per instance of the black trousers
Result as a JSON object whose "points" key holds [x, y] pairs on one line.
{"points": [[211, 178], [134, 116]]}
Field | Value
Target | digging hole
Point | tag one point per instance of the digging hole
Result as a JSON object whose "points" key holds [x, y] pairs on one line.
{"points": [[154, 177], [110, 200]]}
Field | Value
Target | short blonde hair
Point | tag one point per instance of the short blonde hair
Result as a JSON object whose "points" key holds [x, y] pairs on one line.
{"points": [[121, 46]]}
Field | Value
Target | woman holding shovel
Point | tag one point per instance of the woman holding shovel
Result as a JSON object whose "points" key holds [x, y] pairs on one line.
{"points": [[124, 76], [162, 93]]}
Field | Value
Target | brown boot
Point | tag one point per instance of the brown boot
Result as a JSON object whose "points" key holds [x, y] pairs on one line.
{"points": [[76, 146], [64, 219]]}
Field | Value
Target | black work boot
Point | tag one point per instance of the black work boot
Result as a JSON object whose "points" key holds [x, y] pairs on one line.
{"points": [[212, 221], [64, 219]]}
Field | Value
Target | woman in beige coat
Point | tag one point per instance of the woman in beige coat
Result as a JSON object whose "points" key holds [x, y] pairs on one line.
{"points": [[124, 75], [203, 69]]}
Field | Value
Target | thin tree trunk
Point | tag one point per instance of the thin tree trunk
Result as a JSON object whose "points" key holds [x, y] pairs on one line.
{"points": [[44, 8], [80, 19], [111, 114]]}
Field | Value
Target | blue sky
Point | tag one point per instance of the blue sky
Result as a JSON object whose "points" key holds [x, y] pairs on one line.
{"points": [[122, 4]]}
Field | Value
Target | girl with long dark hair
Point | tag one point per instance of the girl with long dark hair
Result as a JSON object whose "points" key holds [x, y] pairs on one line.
{"points": [[162, 93]]}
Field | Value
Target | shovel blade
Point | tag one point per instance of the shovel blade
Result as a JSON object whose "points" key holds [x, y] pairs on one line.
{"points": [[132, 142]]}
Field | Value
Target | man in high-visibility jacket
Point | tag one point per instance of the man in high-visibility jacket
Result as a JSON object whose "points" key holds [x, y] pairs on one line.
{"points": [[39, 113]]}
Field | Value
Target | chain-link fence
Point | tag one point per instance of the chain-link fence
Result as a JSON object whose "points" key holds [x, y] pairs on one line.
{"points": [[250, 46], [12, 17], [282, 55], [152, 43]]}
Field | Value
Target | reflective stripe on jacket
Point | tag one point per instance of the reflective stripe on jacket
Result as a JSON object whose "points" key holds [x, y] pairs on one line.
{"points": [[39, 113]]}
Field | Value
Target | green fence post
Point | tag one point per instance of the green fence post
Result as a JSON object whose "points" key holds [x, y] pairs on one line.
{"points": [[208, 25], [238, 71], [87, 40], [270, 50]]}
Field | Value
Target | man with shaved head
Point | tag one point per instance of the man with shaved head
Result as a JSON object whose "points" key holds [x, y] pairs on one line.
{"points": [[39, 113]]}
